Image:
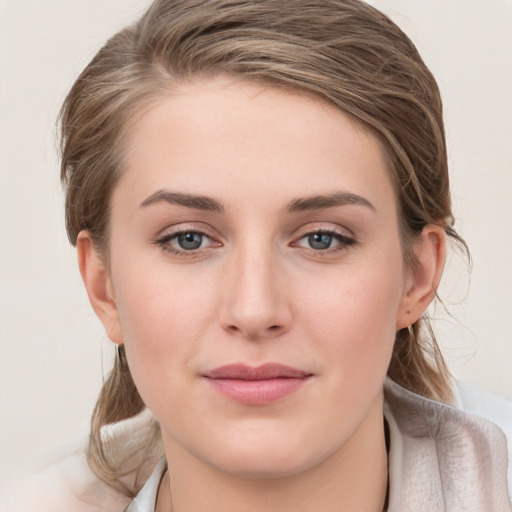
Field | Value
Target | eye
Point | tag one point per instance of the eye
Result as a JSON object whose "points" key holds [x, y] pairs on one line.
{"points": [[185, 242], [189, 241], [320, 241], [324, 240]]}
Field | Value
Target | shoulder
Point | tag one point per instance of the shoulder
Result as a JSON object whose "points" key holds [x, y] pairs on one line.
{"points": [[66, 485], [443, 456], [485, 404], [70, 485]]}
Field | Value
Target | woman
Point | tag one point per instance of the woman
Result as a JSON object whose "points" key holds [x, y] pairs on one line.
{"points": [[259, 196]]}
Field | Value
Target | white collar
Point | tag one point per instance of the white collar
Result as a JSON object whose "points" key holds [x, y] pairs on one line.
{"points": [[145, 500]]}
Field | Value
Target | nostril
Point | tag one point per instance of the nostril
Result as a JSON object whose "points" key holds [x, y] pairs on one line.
{"points": [[271, 331]]}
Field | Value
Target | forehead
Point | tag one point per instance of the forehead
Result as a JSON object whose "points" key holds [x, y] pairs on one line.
{"points": [[220, 137]]}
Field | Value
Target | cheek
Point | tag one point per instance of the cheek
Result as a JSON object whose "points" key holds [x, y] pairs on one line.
{"points": [[163, 318], [157, 300], [354, 319], [352, 324]]}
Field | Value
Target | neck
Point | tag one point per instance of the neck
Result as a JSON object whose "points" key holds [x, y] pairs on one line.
{"points": [[352, 478]]}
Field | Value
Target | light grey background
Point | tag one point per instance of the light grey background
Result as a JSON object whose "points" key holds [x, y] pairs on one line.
{"points": [[53, 350]]}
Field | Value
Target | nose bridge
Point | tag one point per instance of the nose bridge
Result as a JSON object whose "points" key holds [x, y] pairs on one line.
{"points": [[255, 302]]}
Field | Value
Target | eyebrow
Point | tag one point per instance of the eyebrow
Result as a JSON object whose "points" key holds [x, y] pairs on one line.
{"points": [[196, 202], [205, 203], [328, 201]]}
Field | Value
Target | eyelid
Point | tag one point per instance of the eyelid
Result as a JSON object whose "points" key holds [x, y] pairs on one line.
{"points": [[344, 236], [319, 227], [163, 238], [186, 227]]}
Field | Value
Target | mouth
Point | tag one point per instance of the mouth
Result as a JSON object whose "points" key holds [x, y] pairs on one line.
{"points": [[256, 385]]}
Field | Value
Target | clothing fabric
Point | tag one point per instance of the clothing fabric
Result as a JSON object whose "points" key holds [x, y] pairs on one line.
{"points": [[145, 500], [493, 407], [441, 459]]}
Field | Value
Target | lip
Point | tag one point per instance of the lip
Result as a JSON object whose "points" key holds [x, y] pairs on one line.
{"points": [[259, 385]]}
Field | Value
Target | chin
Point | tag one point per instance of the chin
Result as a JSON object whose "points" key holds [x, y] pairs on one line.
{"points": [[264, 459], [271, 468]]}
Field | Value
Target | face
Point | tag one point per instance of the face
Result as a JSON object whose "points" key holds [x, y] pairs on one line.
{"points": [[256, 275]]}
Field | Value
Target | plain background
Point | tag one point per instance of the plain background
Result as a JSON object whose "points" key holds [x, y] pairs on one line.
{"points": [[53, 350]]}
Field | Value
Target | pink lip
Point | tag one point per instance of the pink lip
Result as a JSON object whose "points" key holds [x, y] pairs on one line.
{"points": [[256, 386]]}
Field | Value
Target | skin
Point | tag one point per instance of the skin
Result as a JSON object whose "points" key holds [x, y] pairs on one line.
{"points": [[256, 291]]}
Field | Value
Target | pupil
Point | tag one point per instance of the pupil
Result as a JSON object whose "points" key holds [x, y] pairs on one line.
{"points": [[320, 240], [190, 241]]}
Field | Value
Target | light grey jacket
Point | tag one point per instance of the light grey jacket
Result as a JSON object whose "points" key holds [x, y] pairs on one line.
{"points": [[443, 459]]}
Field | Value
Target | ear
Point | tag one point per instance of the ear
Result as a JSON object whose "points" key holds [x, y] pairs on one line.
{"points": [[98, 284], [422, 281]]}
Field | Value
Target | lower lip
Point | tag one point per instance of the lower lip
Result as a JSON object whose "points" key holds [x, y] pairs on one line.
{"points": [[257, 392]]}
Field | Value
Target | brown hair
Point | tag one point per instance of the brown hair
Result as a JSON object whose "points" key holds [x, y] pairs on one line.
{"points": [[344, 51]]}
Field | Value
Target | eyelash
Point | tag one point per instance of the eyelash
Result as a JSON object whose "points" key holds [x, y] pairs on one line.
{"points": [[344, 242], [164, 242]]}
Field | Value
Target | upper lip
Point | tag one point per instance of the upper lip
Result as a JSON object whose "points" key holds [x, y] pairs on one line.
{"points": [[263, 372]]}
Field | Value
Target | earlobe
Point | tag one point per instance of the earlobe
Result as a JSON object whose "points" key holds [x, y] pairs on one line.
{"points": [[98, 284], [421, 286]]}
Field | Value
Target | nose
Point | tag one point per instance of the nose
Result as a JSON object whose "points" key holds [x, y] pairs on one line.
{"points": [[255, 300]]}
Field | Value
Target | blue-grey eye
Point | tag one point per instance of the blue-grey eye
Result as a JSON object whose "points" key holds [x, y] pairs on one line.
{"points": [[320, 241], [189, 241]]}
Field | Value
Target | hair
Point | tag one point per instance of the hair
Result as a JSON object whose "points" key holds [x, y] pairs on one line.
{"points": [[343, 51]]}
